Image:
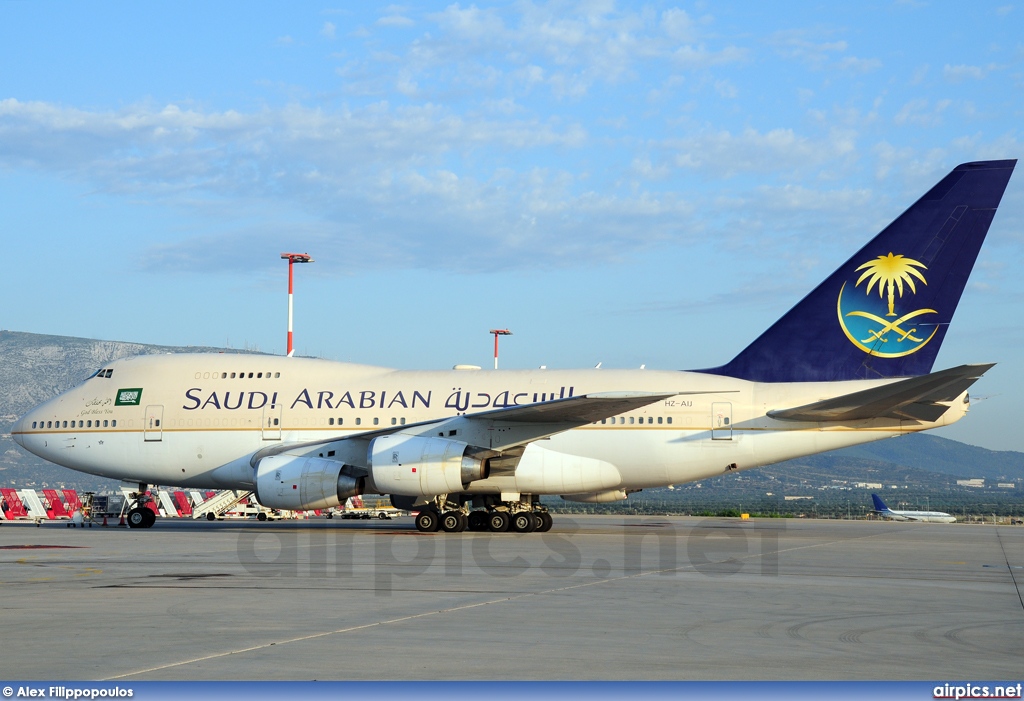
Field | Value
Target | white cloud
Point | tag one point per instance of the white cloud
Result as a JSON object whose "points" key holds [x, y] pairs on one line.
{"points": [[400, 187], [678, 26], [369, 182], [395, 21], [922, 112], [701, 57], [575, 46], [809, 47], [860, 65], [328, 30], [795, 44], [726, 89], [919, 75], [958, 74], [724, 153]]}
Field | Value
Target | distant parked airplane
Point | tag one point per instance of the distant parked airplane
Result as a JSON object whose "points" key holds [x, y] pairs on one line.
{"points": [[932, 516]]}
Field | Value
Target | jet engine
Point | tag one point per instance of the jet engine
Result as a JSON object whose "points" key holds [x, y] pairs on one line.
{"points": [[296, 482], [422, 466]]}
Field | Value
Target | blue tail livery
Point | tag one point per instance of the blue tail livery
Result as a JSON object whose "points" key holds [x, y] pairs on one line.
{"points": [[885, 311], [880, 506]]}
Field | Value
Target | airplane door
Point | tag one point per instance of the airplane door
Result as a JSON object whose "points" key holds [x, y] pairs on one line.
{"points": [[721, 421], [272, 423], [153, 428]]}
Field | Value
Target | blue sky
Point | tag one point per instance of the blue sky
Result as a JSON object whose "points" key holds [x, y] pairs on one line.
{"points": [[619, 183]]}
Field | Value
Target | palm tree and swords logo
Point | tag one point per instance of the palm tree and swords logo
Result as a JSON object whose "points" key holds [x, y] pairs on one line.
{"points": [[873, 324]]}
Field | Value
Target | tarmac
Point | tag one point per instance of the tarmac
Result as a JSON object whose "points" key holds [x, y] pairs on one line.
{"points": [[598, 597]]}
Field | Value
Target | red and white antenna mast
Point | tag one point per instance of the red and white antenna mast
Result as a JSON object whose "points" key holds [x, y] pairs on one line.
{"points": [[498, 332], [292, 259]]}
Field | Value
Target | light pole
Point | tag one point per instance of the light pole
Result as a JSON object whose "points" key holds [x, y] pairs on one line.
{"points": [[498, 332], [292, 259]]}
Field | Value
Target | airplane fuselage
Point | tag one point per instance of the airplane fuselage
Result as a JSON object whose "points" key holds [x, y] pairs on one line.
{"points": [[925, 516], [196, 420]]}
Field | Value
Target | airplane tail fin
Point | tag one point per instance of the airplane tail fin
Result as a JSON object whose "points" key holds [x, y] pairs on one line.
{"points": [[879, 504], [885, 311]]}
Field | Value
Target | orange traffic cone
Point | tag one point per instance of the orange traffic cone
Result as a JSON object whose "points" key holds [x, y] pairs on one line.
{"points": [[104, 520], [122, 524]]}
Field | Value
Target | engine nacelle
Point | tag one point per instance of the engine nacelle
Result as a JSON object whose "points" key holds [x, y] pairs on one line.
{"points": [[422, 466], [597, 497], [295, 482]]}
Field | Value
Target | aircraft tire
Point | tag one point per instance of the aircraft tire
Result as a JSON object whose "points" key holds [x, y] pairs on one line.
{"points": [[427, 521], [150, 518], [545, 522], [477, 521], [453, 522], [523, 522], [136, 518], [497, 521]]}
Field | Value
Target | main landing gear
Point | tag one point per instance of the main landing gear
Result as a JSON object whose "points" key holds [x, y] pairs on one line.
{"points": [[497, 517]]}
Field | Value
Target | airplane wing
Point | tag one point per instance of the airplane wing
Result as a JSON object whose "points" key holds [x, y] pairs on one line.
{"points": [[916, 398], [500, 429]]}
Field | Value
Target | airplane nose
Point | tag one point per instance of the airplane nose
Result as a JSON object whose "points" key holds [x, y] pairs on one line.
{"points": [[16, 432]]}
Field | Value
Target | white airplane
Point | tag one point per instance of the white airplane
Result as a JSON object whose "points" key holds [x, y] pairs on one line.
{"points": [[850, 363], [931, 516]]}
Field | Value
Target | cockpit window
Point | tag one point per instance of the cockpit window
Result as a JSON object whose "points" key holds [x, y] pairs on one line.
{"points": [[110, 371]]}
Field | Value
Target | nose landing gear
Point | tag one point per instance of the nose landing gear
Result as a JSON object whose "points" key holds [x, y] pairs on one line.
{"points": [[140, 515]]}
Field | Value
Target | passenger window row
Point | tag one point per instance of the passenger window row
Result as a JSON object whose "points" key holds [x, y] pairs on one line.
{"points": [[234, 375], [376, 421], [633, 420], [88, 423]]}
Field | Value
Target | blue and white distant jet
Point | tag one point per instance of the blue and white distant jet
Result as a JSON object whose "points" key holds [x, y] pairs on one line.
{"points": [[931, 516]]}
